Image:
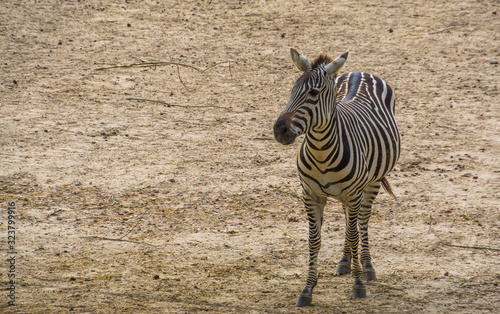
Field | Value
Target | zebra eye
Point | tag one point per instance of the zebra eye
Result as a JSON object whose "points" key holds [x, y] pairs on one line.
{"points": [[314, 92]]}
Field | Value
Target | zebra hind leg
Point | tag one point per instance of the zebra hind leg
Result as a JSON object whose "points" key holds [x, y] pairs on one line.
{"points": [[369, 195], [352, 237], [314, 206]]}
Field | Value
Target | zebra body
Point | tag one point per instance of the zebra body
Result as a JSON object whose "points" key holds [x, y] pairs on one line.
{"points": [[351, 142], [344, 162]]}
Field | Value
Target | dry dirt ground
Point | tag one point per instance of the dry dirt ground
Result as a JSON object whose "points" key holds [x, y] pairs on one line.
{"points": [[188, 204]]}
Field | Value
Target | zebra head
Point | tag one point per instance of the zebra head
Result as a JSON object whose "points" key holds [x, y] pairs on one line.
{"points": [[313, 97]]}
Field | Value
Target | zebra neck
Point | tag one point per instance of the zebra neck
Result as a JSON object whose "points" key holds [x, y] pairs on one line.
{"points": [[324, 139]]}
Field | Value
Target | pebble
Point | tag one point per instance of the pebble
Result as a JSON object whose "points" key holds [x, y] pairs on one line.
{"points": [[493, 62]]}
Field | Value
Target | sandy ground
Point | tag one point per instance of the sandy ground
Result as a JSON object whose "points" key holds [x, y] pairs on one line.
{"points": [[188, 204]]}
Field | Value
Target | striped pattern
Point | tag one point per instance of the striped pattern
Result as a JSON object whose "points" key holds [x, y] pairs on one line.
{"points": [[356, 145], [351, 143]]}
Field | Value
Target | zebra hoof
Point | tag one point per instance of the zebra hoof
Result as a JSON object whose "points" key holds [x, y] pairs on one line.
{"points": [[368, 275], [359, 291], [343, 269], [304, 300]]}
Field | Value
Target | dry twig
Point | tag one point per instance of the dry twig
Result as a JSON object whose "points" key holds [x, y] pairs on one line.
{"points": [[447, 28], [470, 247], [155, 64], [152, 64], [460, 246], [441, 30], [182, 106], [120, 240]]}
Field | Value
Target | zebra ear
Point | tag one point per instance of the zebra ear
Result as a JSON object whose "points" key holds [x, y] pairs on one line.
{"points": [[299, 60], [334, 67]]}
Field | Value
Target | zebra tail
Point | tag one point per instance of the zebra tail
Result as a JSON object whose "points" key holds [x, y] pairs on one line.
{"points": [[388, 188]]}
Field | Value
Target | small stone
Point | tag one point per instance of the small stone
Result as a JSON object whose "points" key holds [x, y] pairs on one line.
{"points": [[493, 62]]}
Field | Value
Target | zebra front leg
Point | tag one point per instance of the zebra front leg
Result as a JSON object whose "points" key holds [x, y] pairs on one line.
{"points": [[344, 265], [314, 207], [352, 236]]}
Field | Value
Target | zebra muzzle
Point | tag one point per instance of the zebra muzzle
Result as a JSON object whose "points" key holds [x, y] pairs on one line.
{"points": [[282, 131]]}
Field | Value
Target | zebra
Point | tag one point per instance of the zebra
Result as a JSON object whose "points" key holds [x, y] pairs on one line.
{"points": [[351, 142]]}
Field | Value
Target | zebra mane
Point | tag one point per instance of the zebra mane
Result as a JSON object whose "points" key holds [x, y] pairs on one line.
{"points": [[322, 59]]}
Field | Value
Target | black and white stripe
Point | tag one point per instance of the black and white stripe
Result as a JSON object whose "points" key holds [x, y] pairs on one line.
{"points": [[351, 142]]}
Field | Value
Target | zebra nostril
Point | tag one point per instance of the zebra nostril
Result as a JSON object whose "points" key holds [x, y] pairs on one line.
{"points": [[280, 128], [282, 132]]}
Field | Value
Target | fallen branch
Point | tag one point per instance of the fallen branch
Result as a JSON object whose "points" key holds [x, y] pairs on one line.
{"points": [[448, 27], [447, 127], [441, 30], [182, 106], [120, 240], [460, 246], [217, 64], [470, 247], [126, 234], [55, 212], [152, 64], [155, 64]]}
